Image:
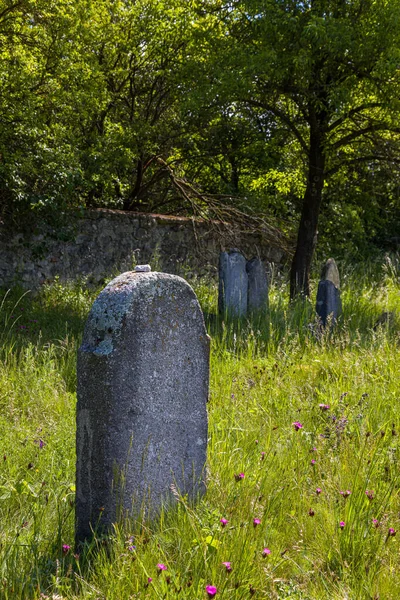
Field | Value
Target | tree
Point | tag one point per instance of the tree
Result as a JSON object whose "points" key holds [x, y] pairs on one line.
{"points": [[38, 165], [134, 54], [327, 72]]}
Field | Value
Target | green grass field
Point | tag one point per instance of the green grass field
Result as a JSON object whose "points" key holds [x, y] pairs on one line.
{"points": [[311, 509]]}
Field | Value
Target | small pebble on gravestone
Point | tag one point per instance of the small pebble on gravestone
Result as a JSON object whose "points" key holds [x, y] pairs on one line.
{"points": [[329, 305], [233, 283], [257, 299], [143, 372], [142, 269]]}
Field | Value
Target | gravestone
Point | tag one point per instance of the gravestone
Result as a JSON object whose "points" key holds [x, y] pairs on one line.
{"points": [[257, 298], [233, 282], [143, 372], [329, 305]]}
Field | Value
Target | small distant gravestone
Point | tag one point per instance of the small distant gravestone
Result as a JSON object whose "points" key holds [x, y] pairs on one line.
{"points": [[329, 305], [257, 298], [233, 283], [143, 373]]}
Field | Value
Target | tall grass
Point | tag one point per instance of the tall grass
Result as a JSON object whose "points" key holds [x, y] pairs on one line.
{"points": [[342, 388]]}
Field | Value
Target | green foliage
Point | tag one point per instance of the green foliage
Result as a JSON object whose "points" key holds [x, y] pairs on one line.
{"points": [[102, 102]]}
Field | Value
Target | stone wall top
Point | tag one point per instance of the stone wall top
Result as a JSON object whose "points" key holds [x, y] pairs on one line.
{"points": [[105, 242]]}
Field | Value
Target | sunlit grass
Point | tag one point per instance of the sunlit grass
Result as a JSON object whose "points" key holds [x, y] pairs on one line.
{"points": [[265, 376]]}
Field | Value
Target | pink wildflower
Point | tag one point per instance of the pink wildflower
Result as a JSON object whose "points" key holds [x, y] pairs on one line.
{"points": [[223, 522], [266, 551], [297, 425], [256, 522], [342, 524], [211, 590], [227, 566]]}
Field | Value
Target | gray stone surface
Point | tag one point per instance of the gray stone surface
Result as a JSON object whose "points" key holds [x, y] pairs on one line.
{"points": [[257, 299], [233, 283], [142, 269], [104, 242], [143, 373], [330, 272], [329, 304]]}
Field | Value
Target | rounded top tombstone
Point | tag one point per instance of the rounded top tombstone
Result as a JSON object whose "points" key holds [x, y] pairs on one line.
{"points": [[143, 370], [330, 272]]}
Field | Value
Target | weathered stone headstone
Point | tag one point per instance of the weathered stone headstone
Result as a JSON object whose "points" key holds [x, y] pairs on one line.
{"points": [[329, 305], [233, 282], [143, 372], [257, 298]]}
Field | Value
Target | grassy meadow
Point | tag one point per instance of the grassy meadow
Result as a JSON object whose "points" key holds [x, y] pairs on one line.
{"points": [[303, 493]]}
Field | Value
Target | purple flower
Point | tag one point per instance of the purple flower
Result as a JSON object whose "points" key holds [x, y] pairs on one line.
{"points": [[256, 522], [313, 461], [370, 494], [324, 406], [297, 425], [239, 476], [66, 548], [131, 548], [345, 494], [227, 566], [342, 524], [161, 567], [318, 491], [392, 532], [211, 590], [223, 522], [266, 551], [375, 522], [149, 579], [41, 443], [262, 455]]}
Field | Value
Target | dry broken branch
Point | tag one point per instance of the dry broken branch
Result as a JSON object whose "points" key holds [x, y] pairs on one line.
{"points": [[217, 210]]}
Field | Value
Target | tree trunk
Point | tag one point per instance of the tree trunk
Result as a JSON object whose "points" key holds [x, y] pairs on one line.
{"points": [[308, 228], [129, 201]]}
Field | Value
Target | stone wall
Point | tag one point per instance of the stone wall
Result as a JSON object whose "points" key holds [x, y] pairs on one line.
{"points": [[104, 243]]}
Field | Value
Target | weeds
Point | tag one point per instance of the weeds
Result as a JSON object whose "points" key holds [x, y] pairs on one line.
{"points": [[303, 479]]}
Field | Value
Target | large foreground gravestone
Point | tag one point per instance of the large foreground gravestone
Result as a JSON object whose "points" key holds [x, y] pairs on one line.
{"points": [[257, 299], [143, 372], [329, 305], [233, 283]]}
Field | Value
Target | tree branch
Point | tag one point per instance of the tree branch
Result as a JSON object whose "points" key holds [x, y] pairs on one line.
{"points": [[356, 134], [353, 112], [281, 115], [361, 159]]}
